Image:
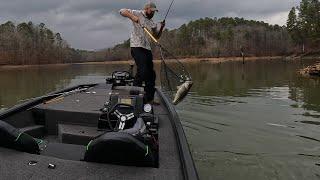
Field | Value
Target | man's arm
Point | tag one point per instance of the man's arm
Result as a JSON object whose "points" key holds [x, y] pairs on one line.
{"points": [[127, 13]]}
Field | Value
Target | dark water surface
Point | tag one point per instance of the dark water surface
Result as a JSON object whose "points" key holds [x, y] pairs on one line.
{"points": [[257, 121]]}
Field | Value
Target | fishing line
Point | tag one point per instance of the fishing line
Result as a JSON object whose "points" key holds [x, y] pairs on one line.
{"points": [[187, 75]]}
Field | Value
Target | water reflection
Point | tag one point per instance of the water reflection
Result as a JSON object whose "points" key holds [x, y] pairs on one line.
{"points": [[267, 108], [275, 79], [23, 83]]}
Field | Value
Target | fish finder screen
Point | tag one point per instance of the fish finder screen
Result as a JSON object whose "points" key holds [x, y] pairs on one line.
{"points": [[126, 101]]}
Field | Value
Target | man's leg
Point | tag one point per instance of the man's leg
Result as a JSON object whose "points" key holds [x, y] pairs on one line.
{"points": [[145, 72], [150, 77], [138, 57]]}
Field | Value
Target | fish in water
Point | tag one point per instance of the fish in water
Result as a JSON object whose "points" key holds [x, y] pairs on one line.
{"points": [[182, 92]]}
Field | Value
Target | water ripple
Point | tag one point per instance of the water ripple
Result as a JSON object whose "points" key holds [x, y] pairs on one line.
{"points": [[203, 126], [309, 138], [280, 93], [236, 153], [310, 122], [210, 101]]}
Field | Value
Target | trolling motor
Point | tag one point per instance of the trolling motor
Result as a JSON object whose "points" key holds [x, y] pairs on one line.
{"points": [[121, 78]]}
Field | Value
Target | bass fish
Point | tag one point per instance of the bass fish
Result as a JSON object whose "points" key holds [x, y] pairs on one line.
{"points": [[182, 92]]}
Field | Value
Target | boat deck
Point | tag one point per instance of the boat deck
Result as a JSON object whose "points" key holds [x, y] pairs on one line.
{"points": [[77, 116]]}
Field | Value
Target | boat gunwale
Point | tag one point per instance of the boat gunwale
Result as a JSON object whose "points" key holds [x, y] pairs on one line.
{"points": [[187, 162], [36, 101]]}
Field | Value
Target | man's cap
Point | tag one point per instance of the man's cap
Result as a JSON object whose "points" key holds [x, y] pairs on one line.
{"points": [[151, 5]]}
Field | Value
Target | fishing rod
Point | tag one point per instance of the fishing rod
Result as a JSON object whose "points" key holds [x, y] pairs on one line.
{"points": [[168, 11], [164, 20]]}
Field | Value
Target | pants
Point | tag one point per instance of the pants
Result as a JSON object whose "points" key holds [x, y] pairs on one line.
{"points": [[145, 72]]}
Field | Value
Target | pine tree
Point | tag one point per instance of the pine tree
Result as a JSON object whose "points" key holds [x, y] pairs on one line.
{"points": [[292, 21], [292, 26]]}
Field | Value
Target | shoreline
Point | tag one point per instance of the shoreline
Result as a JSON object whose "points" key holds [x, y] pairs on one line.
{"points": [[183, 60]]}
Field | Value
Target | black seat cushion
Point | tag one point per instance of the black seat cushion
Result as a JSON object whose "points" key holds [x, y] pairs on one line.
{"points": [[121, 149], [12, 138]]}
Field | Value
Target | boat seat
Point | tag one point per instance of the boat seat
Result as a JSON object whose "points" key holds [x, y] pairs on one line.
{"points": [[121, 149], [76, 134], [36, 131], [64, 151], [13, 138]]}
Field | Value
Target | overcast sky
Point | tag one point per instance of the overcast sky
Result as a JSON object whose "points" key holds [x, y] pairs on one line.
{"points": [[96, 24]]}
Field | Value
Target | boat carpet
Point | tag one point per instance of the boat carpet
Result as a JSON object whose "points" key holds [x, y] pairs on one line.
{"points": [[75, 134], [79, 109], [64, 151]]}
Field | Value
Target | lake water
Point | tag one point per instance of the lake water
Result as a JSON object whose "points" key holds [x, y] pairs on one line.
{"points": [[254, 121]]}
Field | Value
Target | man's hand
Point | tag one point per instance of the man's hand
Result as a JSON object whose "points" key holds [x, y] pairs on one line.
{"points": [[128, 14], [163, 24]]}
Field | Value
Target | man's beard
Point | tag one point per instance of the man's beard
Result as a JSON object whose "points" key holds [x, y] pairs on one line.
{"points": [[150, 16]]}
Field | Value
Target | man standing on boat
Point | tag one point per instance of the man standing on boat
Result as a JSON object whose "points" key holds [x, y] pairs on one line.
{"points": [[141, 47]]}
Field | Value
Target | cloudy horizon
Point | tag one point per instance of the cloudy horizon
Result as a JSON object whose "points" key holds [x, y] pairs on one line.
{"points": [[96, 24]]}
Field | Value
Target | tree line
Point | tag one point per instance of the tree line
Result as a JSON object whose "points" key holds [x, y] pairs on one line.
{"points": [[213, 37], [303, 25], [28, 43], [223, 37]]}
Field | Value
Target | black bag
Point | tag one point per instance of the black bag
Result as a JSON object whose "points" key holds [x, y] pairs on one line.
{"points": [[12, 138]]}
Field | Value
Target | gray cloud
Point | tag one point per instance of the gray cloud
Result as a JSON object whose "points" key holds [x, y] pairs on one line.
{"points": [[96, 24]]}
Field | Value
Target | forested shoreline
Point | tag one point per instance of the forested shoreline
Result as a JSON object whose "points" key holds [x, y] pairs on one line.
{"points": [[224, 37], [303, 25], [28, 43]]}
